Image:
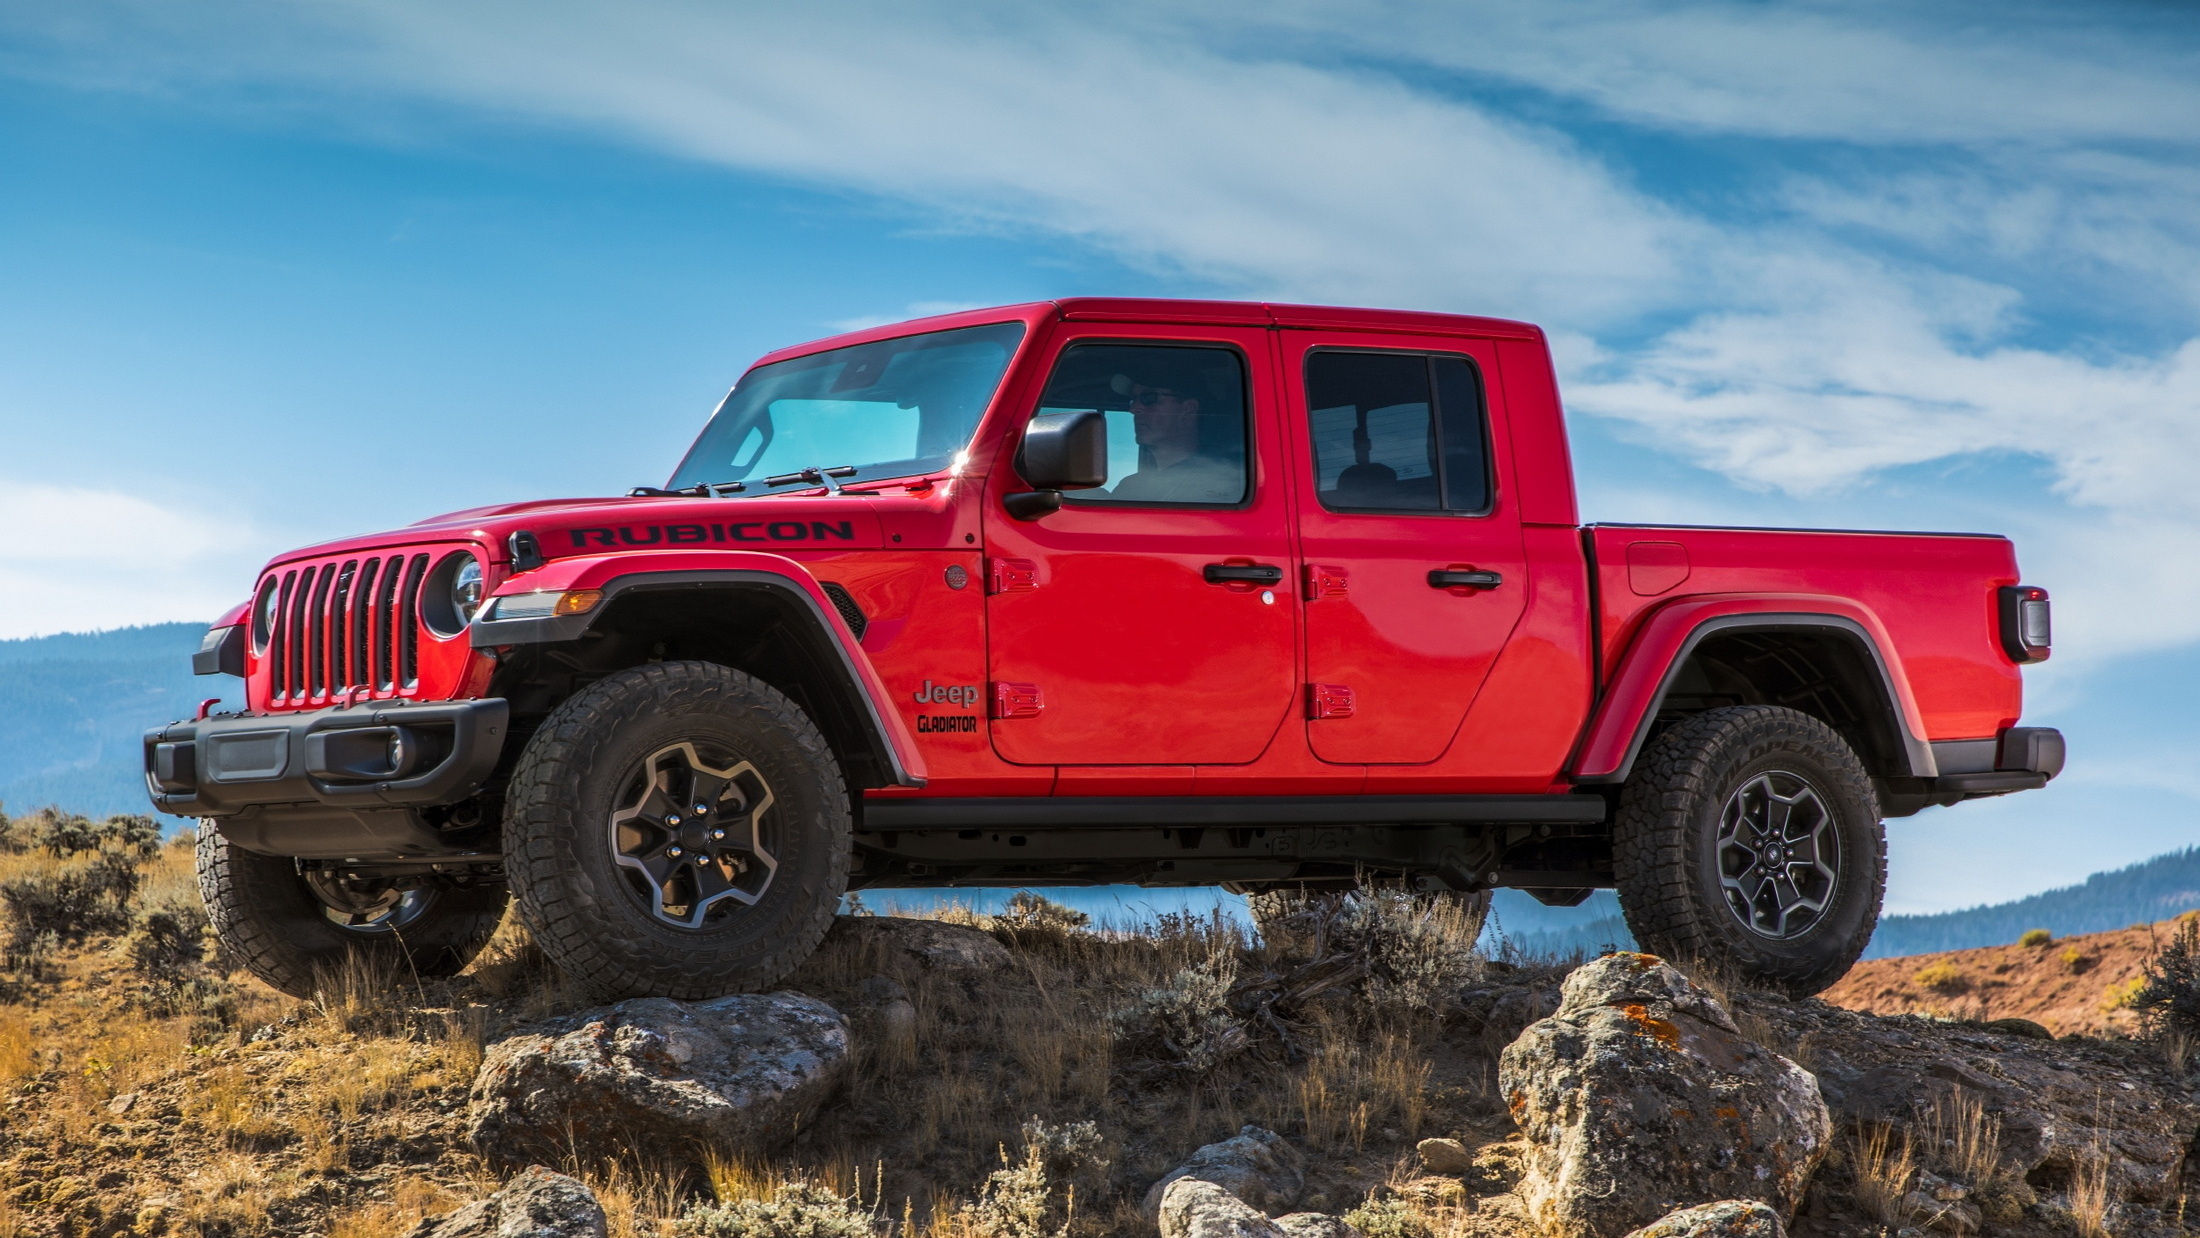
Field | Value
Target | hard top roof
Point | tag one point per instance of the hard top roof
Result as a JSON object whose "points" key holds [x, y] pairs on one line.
{"points": [[1164, 310]]}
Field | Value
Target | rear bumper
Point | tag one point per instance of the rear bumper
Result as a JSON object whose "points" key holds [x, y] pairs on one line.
{"points": [[363, 757], [2022, 758]]}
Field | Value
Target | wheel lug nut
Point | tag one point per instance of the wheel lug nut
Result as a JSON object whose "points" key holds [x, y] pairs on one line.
{"points": [[672, 818], [702, 809], [674, 852], [717, 835]]}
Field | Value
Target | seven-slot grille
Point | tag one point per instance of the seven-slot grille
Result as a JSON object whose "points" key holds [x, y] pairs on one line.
{"points": [[347, 623]]}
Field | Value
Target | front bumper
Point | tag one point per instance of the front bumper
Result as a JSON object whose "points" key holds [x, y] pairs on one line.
{"points": [[365, 757]]}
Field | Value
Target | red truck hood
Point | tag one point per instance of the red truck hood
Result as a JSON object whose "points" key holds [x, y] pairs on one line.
{"points": [[566, 527]]}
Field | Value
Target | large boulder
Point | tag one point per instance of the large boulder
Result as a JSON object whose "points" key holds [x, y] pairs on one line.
{"points": [[1256, 1166], [934, 944], [1729, 1218], [1639, 1096], [2062, 1110], [654, 1076], [1193, 1208], [537, 1204]]}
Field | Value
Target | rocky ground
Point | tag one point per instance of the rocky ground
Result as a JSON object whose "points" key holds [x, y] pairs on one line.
{"points": [[2071, 985], [1353, 1068]]}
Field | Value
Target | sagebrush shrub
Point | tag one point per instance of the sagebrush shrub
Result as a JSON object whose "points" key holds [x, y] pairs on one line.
{"points": [[2169, 992], [167, 941], [1027, 910], [1419, 950], [2035, 938], [1189, 1019], [795, 1210]]}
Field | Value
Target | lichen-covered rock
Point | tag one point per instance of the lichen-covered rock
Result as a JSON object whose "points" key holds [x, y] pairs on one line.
{"points": [[656, 1076], [539, 1203], [936, 944], [1729, 1218], [1257, 1166], [1638, 1096], [1445, 1156], [1191, 1208], [1315, 1225]]}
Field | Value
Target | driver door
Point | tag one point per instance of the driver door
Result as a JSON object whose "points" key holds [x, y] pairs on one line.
{"points": [[1150, 622]]}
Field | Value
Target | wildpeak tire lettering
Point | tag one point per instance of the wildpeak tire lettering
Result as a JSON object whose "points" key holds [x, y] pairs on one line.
{"points": [[696, 534]]}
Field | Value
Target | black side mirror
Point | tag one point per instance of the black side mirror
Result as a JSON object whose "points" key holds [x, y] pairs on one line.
{"points": [[1061, 451]]}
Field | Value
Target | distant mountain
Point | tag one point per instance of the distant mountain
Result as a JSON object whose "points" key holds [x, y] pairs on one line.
{"points": [[2150, 890], [73, 708]]}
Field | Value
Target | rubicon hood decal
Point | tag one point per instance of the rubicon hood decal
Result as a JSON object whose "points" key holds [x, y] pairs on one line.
{"points": [[589, 536]]}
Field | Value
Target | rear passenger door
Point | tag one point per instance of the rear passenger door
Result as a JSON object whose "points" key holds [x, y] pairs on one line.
{"points": [[1414, 573]]}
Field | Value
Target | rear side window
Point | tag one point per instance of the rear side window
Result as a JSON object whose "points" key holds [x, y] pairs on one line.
{"points": [[1397, 432]]}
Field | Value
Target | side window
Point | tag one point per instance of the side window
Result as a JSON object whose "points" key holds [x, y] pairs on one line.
{"points": [[1176, 421], [1397, 432]]}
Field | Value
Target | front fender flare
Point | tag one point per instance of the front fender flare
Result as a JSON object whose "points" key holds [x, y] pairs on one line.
{"points": [[1671, 633], [623, 573]]}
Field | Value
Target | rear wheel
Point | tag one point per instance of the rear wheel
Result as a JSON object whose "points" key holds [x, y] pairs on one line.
{"points": [[677, 830], [1748, 839], [296, 929]]}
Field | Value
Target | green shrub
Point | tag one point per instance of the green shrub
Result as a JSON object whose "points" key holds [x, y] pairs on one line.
{"points": [[71, 899], [2035, 937]]}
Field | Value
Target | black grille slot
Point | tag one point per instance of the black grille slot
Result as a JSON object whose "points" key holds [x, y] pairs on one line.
{"points": [[850, 613], [299, 639], [408, 620], [385, 626], [340, 627], [362, 624], [317, 635], [279, 677]]}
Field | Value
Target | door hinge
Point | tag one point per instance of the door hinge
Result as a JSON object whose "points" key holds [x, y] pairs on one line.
{"points": [[1325, 581], [1011, 575], [1328, 700], [1016, 700]]}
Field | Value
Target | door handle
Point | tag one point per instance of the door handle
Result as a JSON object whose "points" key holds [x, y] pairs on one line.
{"points": [[1443, 578], [1243, 574]]}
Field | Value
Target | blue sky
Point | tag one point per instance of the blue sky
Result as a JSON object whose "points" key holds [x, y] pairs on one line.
{"points": [[276, 271]]}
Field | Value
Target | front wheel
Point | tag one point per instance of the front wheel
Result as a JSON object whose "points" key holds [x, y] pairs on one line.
{"points": [[1748, 839], [297, 929], [677, 830]]}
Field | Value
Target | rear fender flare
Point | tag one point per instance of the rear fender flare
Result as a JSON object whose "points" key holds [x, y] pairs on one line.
{"points": [[1672, 633], [615, 575]]}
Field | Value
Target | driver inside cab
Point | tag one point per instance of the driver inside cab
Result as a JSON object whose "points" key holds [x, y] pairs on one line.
{"points": [[1173, 464]]}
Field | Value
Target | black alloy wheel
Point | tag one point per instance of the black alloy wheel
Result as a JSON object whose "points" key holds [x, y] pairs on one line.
{"points": [[693, 835], [1748, 841], [678, 830]]}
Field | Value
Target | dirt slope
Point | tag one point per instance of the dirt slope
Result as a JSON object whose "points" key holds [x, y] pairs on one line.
{"points": [[2069, 985]]}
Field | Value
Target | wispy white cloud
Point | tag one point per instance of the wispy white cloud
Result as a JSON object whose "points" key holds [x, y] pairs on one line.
{"points": [[79, 559]]}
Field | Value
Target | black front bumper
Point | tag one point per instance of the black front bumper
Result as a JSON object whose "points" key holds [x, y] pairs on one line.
{"points": [[361, 757]]}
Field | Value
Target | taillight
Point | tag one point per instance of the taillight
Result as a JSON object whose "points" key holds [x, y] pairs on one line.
{"points": [[2026, 632]]}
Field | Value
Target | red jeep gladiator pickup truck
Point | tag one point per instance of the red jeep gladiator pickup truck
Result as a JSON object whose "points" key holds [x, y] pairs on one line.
{"points": [[1166, 592]]}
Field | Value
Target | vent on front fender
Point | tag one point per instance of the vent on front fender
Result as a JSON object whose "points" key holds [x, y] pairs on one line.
{"points": [[850, 613], [348, 623]]}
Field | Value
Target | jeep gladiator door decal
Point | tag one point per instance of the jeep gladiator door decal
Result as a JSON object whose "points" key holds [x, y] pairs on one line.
{"points": [[1146, 635], [1416, 573]]}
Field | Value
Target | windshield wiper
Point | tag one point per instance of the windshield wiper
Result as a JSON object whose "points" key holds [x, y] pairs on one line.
{"points": [[701, 490], [815, 476]]}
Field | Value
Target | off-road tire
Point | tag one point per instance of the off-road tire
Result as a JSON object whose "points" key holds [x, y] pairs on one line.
{"points": [[1665, 846], [581, 906], [269, 920]]}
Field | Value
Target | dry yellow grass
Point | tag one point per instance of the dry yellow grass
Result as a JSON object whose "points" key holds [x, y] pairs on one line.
{"points": [[1883, 1165]]}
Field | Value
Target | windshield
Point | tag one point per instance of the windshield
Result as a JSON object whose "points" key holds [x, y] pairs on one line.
{"points": [[896, 408]]}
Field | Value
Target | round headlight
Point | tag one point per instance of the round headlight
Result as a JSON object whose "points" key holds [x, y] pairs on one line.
{"points": [[452, 595], [466, 591], [263, 615]]}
